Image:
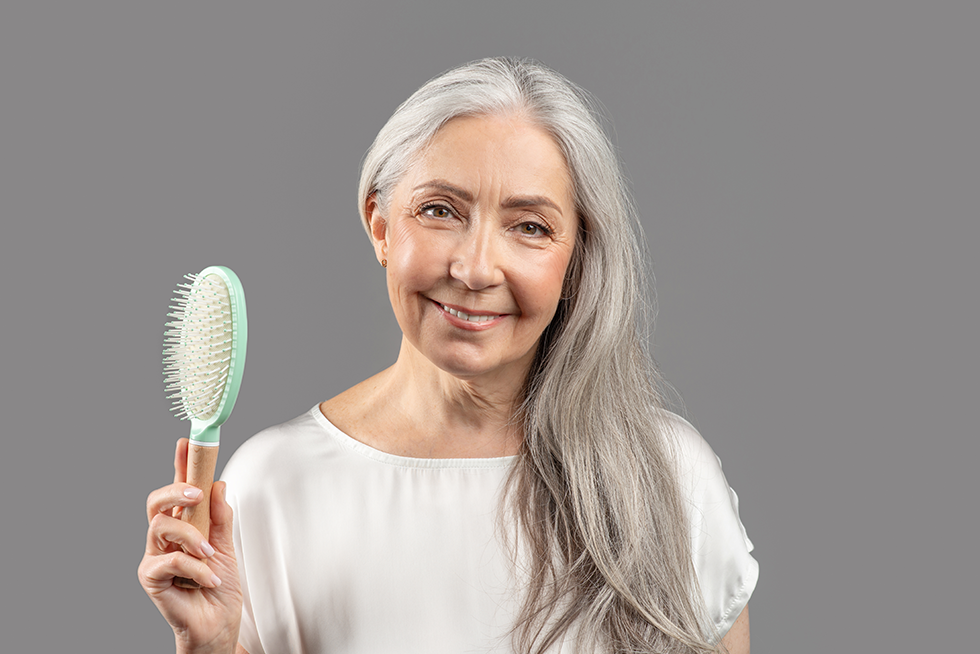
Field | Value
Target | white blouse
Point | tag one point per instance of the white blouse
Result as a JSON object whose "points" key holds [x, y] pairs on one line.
{"points": [[346, 549]]}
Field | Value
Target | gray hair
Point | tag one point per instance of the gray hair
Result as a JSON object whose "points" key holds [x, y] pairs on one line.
{"points": [[595, 491]]}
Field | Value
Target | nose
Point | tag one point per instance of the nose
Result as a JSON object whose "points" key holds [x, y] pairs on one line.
{"points": [[476, 262]]}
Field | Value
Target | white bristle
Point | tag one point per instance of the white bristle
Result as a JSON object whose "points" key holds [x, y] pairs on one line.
{"points": [[197, 346]]}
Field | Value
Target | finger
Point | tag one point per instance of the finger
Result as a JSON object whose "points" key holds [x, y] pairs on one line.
{"points": [[158, 572], [221, 520], [180, 469], [180, 461], [164, 500], [165, 532]]}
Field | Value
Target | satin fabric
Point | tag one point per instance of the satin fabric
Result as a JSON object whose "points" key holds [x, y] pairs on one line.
{"points": [[346, 549]]}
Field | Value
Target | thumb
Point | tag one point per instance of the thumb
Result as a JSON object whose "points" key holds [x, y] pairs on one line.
{"points": [[221, 520]]}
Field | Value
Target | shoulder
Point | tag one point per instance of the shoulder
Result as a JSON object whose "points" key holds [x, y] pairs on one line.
{"points": [[700, 476], [696, 463], [273, 442], [689, 443], [720, 547], [276, 454]]}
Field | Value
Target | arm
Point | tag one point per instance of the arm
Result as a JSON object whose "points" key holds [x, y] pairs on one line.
{"points": [[736, 641]]}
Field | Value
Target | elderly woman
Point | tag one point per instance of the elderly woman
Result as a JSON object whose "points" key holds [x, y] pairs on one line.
{"points": [[511, 483]]}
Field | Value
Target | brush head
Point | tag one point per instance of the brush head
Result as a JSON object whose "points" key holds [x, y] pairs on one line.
{"points": [[204, 346]]}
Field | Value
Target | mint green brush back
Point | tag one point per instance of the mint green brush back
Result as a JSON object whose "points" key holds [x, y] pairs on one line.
{"points": [[204, 358]]}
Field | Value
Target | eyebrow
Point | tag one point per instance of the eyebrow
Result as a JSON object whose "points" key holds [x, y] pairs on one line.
{"points": [[515, 202], [520, 201], [441, 185]]}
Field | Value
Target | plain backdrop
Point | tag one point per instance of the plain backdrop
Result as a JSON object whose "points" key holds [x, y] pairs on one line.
{"points": [[806, 175]]}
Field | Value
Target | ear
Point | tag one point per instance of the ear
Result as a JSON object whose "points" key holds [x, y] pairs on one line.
{"points": [[377, 225]]}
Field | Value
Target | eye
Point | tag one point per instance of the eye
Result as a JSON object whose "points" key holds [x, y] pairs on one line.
{"points": [[533, 229], [439, 211]]}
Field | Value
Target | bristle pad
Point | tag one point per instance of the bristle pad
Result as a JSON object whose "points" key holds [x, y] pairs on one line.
{"points": [[197, 347]]}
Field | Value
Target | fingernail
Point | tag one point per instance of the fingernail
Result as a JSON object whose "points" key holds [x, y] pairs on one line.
{"points": [[207, 549], [192, 493], [215, 580]]}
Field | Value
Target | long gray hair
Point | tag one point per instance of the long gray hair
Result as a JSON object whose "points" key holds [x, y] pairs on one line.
{"points": [[595, 492]]}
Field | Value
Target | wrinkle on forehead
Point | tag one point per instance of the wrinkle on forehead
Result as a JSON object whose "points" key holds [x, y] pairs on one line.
{"points": [[456, 177]]}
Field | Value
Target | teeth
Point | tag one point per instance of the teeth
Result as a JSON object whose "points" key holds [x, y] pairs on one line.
{"points": [[466, 316]]}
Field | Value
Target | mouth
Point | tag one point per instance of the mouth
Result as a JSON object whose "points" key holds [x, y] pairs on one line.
{"points": [[470, 316]]}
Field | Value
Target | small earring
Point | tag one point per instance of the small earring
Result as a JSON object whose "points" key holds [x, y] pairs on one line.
{"points": [[384, 263]]}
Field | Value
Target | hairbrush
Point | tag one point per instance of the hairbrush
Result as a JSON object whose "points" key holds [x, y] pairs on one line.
{"points": [[204, 357]]}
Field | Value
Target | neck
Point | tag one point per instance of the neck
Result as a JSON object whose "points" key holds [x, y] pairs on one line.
{"points": [[444, 416], [418, 410]]}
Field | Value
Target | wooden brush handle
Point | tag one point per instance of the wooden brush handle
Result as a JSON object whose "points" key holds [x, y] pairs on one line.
{"points": [[201, 461]]}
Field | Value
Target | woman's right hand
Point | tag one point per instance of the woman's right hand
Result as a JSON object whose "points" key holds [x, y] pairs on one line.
{"points": [[205, 619]]}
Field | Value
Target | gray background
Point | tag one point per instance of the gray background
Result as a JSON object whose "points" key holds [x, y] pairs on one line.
{"points": [[807, 175]]}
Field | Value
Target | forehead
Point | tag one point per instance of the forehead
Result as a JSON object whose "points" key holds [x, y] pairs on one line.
{"points": [[509, 152]]}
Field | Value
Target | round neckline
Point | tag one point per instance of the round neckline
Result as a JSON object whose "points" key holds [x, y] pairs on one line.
{"points": [[407, 461]]}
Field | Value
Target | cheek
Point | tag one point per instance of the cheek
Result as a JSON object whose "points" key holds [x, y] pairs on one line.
{"points": [[412, 262], [543, 286]]}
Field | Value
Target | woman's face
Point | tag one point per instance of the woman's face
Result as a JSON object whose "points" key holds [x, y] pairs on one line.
{"points": [[477, 236]]}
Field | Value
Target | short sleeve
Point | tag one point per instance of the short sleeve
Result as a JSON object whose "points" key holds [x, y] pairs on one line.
{"points": [[242, 474], [720, 548]]}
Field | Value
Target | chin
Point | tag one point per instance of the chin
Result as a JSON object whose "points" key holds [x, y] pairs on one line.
{"points": [[472, 367], [464, 368]]}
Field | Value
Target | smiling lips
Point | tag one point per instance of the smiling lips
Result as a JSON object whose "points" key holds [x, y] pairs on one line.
{"points": [[468, 317]]}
